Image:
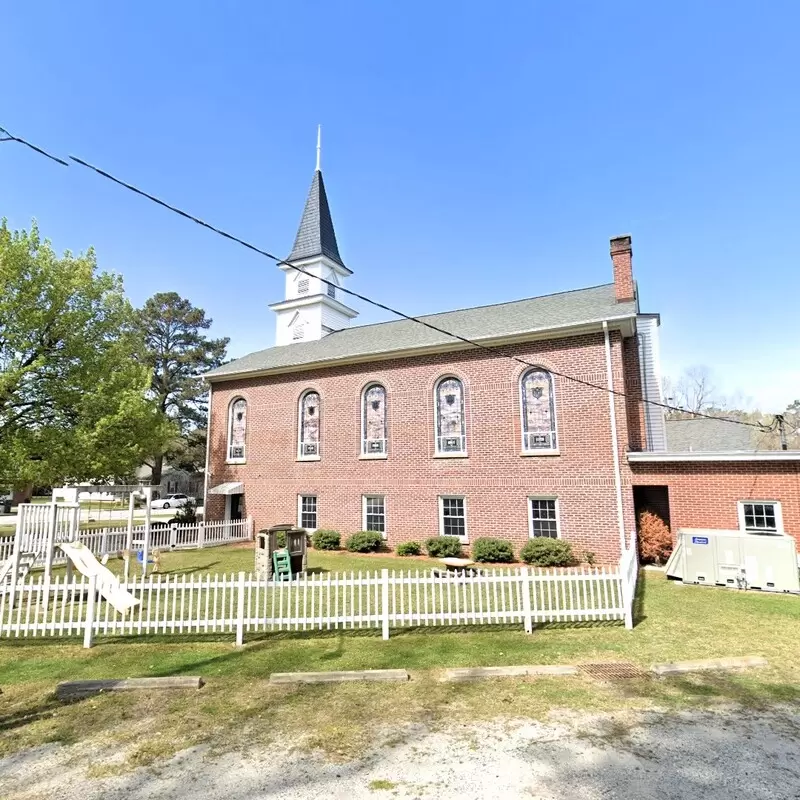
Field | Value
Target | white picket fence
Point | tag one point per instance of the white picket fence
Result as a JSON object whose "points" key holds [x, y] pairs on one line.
{"points": [[183, 536], [240, 603]]}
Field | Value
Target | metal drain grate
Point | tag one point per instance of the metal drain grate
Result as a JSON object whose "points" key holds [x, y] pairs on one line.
{"points": [[613, 671]]}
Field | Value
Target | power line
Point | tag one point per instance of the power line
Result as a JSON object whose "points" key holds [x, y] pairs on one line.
{"points": [[377, 304], [9, 137]]}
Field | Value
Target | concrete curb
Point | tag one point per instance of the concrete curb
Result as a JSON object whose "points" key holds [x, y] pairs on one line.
{"points": [[464, 674], [70, 690], [680, 667], [371, 675]]}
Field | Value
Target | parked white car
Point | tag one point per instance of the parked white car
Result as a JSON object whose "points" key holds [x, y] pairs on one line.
{"points": [[172, 501]]}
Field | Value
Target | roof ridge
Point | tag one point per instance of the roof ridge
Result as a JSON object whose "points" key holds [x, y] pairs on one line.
{"points": [[475, 308]]}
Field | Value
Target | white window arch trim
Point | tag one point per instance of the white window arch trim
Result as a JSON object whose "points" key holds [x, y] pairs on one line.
{"points": [[445, 446], [374, 448], [526, 438], [307, 450], [236, 454]]}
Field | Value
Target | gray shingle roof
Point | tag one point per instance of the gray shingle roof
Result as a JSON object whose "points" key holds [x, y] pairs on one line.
{"points": [[316, 235], [707, 436], [582, 306]]}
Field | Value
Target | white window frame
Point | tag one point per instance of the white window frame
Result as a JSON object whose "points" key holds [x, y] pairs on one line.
{"points": [[442, 497], [538, 451], [364, 499], [462, 453], [239, 459], [366, 454], [778, 516], [300, 511], [551, 498], [300, 454]]}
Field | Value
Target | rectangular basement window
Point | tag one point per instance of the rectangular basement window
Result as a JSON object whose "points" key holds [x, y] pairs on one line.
{"points": [[453, 517], [307, 511], [543, 517], [375, 513], [760, 516]]}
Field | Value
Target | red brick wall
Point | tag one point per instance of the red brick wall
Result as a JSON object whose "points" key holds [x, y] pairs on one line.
{"points": [[495, 479], [705, 494]]}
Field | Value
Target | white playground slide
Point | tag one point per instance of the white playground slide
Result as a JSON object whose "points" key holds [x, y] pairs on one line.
{"points": [[107, 583]]}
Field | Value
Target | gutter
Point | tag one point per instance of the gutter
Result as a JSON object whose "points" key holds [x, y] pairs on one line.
{"points": [[614, 438], [645, 457]]}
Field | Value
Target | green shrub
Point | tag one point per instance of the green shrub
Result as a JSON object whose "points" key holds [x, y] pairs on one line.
{"points": [[326, 540], [409, 549], [492, 551], [545, 552], [364, 542], [443, 547]]}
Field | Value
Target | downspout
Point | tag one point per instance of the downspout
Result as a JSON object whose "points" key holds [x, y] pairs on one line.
{"points": [[614, 440], [208, 453]]}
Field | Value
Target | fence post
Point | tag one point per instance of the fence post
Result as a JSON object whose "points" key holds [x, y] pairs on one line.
{"points": [[240, 612], [201, 535], [385, 601], [250, 529], [173, 536], [104, 542], [527, 618], [89, 625]]}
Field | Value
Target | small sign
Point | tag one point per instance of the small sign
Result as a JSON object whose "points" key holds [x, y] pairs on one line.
{"points": [[699, 539]]}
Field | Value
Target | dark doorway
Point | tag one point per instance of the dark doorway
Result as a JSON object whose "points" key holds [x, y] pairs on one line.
{"points": [[236, 506], [652, 498]]}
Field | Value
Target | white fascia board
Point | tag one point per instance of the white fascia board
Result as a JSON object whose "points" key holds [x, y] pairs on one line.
{"points": [[624, 324], [727, 455], [312, 261], [313, 299]]}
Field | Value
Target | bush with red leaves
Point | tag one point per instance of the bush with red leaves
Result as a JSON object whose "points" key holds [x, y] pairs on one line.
{"points": [[655, 539]]}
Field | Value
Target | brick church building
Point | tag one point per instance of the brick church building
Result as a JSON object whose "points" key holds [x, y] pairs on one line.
{"points": [[399, 428]]}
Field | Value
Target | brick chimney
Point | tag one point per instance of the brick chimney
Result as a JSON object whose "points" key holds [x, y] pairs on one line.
{"points": [[622, 259]]}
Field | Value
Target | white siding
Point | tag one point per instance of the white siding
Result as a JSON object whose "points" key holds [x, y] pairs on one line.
{"points": [[650, 365], [333, 319]]}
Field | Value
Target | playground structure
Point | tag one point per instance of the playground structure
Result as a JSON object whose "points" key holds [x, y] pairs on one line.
{"points": [[43, 527], [281, 562], [107, 583]]}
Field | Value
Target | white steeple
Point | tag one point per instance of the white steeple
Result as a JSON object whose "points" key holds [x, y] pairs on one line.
{"points": [[313, 305]]}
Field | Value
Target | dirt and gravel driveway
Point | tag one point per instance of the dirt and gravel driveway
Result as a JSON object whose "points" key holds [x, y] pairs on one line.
{"points": [[713, 755]]}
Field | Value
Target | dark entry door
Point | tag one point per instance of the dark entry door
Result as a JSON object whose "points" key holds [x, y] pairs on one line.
{"points": [[236, 506]]}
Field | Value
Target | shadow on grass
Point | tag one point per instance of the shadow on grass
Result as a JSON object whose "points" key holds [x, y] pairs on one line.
{"points": [[639, 600], [743, 689], [186, 570], [26, 716]]}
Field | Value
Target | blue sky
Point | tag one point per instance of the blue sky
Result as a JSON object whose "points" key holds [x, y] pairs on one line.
{"points": [[473, 153]]}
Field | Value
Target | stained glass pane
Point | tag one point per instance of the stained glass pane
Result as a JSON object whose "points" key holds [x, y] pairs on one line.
{"points": [[310, 425], [450, 416], [538, 411], [374, 420], [238, 428]]}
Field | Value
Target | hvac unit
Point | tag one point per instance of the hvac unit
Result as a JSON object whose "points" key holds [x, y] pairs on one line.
{"points": [[736, 559]]}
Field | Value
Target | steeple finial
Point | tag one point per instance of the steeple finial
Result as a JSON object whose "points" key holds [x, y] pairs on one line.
{"points": [[319, 145]]}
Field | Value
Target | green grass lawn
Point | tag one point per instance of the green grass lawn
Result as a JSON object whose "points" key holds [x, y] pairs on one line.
{"points": [[239, 708]]}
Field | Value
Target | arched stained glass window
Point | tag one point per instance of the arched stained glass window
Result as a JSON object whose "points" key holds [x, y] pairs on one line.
{"points": [[237, 429], [450, 427], [310, 425], [538, 411], [373, 420]]}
